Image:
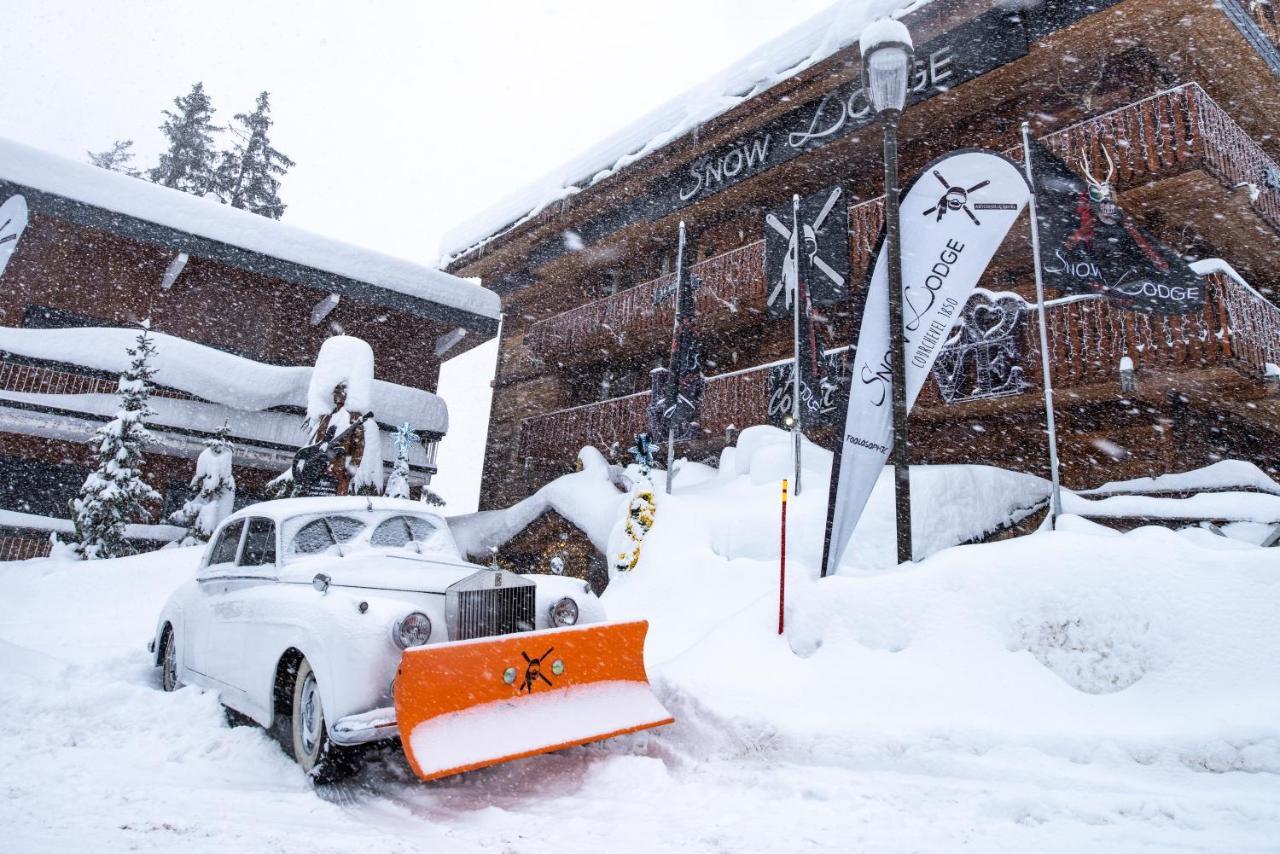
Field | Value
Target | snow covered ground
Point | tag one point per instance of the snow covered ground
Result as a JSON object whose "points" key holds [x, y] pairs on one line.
{"points": [[1069, 690]]}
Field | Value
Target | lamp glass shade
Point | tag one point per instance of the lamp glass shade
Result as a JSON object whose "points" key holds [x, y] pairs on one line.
{"points": [[888, 69]]}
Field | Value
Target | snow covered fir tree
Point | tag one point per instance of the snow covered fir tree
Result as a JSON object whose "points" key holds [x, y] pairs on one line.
{"points": [[398, 480], [245, 176], [248, 175], [115, 495], [189, 162], [215, 491]]}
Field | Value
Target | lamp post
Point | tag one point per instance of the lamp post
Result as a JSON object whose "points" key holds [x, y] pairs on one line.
{"points": [[887, 55]]}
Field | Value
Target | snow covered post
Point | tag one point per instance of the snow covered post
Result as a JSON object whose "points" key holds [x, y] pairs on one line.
{"points": [[795, 314], [782, 571], [398, 481], [215, 491], [114, 494]]}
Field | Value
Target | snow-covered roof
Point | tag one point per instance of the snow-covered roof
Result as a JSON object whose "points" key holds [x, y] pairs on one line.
{"points": [[152, 203], [215, 375], [809, 43]]}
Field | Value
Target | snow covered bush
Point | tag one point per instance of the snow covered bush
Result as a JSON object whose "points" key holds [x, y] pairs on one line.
{"points": [[398, 480], [114, 494], [215, 491]]}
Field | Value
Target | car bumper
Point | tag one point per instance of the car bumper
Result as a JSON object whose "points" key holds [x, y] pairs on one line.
{"points": [[375, 725]]}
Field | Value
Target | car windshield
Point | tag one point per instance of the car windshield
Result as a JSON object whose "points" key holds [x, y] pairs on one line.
{"points": [[347, 533]]}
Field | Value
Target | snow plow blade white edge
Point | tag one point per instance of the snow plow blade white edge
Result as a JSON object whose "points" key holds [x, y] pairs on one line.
{"points": [[471, 704]]}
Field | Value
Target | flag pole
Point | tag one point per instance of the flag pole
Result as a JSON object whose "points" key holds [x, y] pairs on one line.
{"points": [[674, 396], [795, 313], [1055, 498]]}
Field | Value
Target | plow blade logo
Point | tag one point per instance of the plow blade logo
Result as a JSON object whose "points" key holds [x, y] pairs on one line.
{"points": [[470, 704]]}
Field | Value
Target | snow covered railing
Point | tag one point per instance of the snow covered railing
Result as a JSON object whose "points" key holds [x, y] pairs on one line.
{"points": [[1172, 131], [1088, 337], [728, 282]]}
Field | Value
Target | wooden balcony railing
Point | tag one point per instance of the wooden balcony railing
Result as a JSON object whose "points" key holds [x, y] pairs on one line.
{"points": [[728, 283], [1088, 337], [1157, 137]]}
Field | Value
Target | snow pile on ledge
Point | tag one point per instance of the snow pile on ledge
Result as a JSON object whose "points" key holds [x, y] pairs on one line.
{"points": [[809, 43], [587, 498], [1222, 475], [212, 374], [342, 360], [101, 188]]}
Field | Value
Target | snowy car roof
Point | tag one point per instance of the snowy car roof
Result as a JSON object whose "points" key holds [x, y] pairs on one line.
{"points": [[287, 508], [829, 31], [206, 228]]}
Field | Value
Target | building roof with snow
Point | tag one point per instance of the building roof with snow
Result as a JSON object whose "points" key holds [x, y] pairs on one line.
{"points": [[98, 198], [802, 47]]}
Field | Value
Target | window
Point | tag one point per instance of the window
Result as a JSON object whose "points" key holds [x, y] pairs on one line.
{"points": [[259, 544], [224, 551], [321, 534], [399, 531]]}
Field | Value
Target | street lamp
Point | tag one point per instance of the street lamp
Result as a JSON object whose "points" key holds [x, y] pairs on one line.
{"points": [[887, 55]]}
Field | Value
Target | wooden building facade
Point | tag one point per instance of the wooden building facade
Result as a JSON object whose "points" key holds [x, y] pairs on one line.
{"points": [[1182, 95], [241, 305]]}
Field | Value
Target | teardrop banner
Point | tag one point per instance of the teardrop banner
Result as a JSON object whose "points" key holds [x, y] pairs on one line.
{"points": [[954, 217]]}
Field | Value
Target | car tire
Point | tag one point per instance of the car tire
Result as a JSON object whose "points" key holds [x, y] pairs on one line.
{"points": [[319, 757], [169, 662]]}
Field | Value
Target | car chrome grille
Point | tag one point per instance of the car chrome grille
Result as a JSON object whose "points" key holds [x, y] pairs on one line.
{"points": [[475, 611]]}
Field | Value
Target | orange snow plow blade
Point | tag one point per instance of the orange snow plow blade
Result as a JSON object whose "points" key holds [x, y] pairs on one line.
{"points": [[469, 704]]}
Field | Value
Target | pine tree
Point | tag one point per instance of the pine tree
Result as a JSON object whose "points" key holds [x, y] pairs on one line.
{"points": [[398, 480], [248, 175], [114, 494], [116, 159], [215, 488], [188, 165]]}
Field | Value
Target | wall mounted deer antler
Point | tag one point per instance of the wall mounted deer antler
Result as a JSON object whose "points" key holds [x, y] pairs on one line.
{"points": [[1102, 190]]}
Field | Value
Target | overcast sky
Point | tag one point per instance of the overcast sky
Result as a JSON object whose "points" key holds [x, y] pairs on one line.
{"points": [[404, 118]]}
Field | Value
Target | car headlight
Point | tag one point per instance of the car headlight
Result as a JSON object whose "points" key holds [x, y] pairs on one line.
{"points": [[564, 612], [411, 630]]}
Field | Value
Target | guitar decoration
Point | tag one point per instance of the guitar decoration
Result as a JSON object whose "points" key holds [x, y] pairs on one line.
{"points": [[311, 461]]}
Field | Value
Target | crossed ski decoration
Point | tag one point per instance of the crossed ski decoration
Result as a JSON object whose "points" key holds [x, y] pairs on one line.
{"points": [[533, 671]]}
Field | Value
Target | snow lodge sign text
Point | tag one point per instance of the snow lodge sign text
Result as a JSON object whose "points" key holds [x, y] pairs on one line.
{"points": [[972, 49]]}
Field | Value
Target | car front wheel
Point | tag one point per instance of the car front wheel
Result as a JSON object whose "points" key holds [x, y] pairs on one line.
{"points": [[314, 752], [169, 662]]}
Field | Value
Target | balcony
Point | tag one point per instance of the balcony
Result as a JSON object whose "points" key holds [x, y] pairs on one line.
{"points": [[1168, 134], [1237, 329], [641, 316]]}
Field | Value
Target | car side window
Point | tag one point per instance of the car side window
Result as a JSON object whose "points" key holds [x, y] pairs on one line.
{"points": [[224, 551], [259, 544]]}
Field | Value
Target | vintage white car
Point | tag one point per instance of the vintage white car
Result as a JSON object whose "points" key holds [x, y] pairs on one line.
{"points": [[302, 609]]}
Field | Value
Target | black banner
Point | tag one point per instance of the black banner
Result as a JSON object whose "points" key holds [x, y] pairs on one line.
{"points": [[822, 248], [1088, 245], [677, 391]]}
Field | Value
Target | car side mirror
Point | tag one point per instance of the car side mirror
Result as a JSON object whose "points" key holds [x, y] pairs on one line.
{"points": [[320, 582]]}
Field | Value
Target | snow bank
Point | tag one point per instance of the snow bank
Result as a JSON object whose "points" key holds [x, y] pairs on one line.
{"points": [[134, 197], [588, 499], [785, 56], [1083, 643], [213, 374], [1227, 506]]}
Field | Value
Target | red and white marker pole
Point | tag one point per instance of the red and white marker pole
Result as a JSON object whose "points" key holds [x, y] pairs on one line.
{"points": [[782, 571]]}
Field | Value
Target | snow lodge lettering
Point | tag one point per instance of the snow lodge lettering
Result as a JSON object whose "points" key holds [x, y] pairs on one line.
{"points": [[708, 171], [972, 49]]}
